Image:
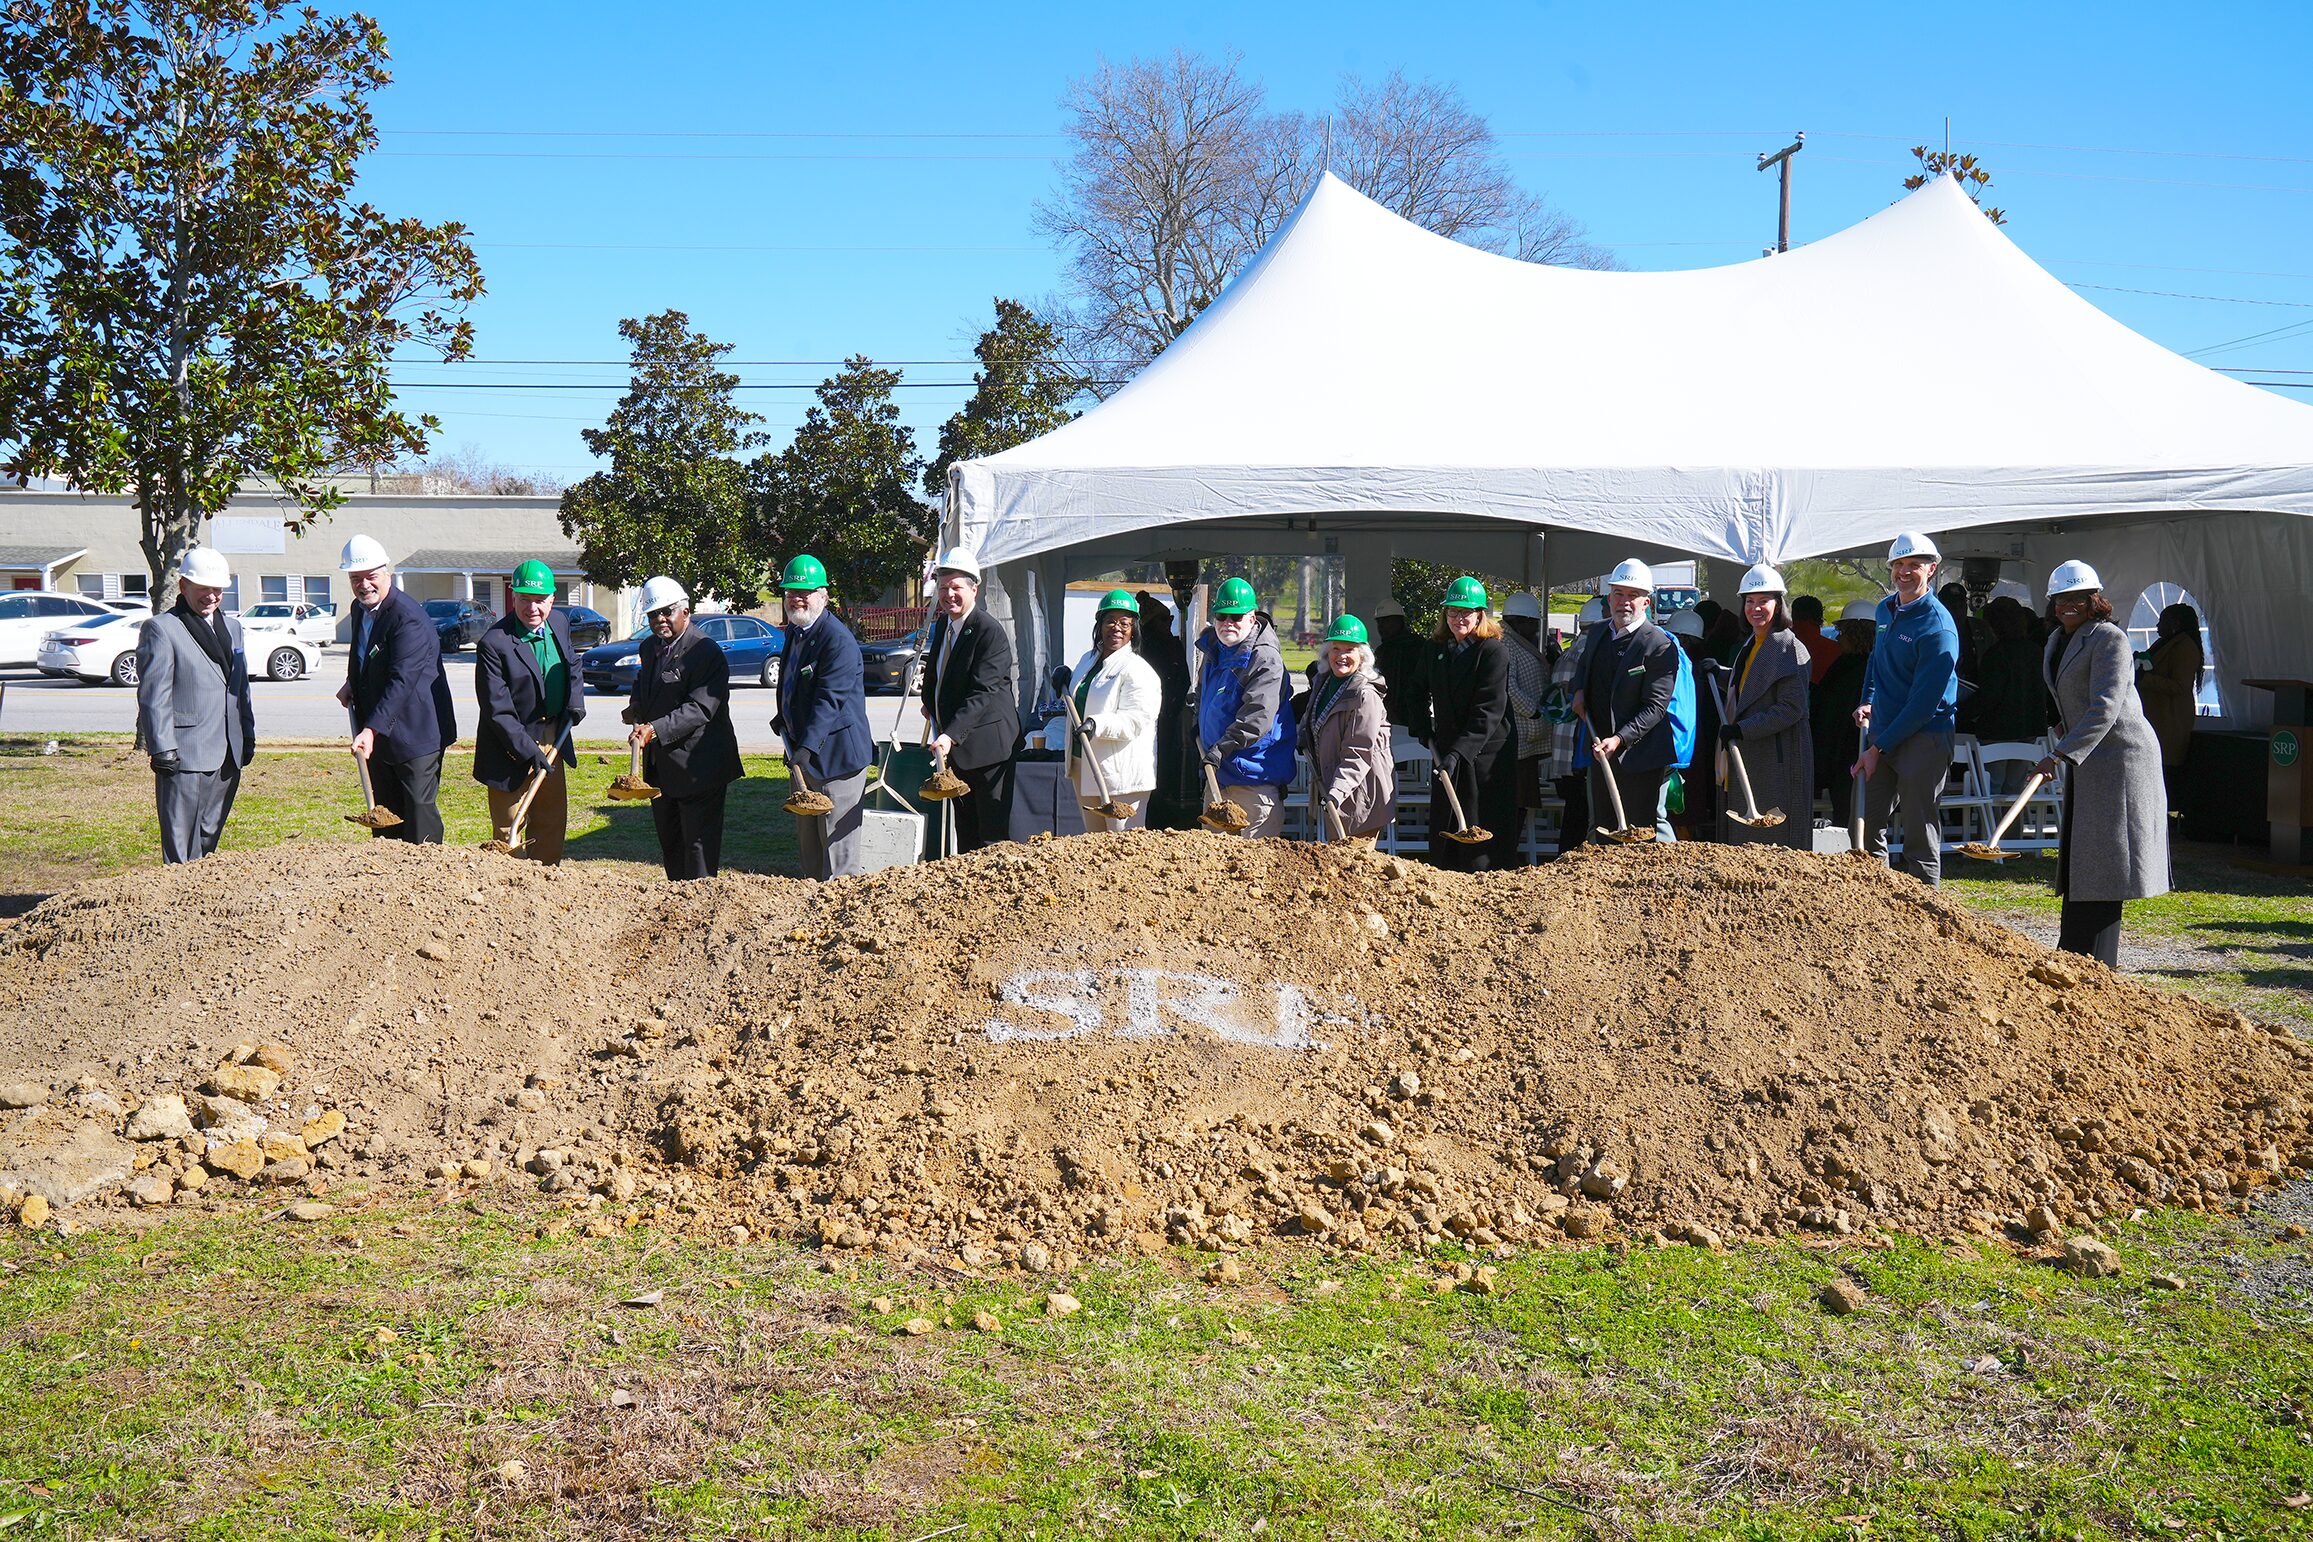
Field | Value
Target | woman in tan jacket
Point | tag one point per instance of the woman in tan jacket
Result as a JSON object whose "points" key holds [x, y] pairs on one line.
{"points": [[2169, 683]]}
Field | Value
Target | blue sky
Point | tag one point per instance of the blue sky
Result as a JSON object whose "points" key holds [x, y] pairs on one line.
{"points": [[809, 182]]}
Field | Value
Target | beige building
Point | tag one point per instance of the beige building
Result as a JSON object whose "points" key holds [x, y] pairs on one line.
{"points": [[444, 546]]}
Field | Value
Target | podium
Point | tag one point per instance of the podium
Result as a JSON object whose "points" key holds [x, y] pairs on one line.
{"points": [[2289, 770]]}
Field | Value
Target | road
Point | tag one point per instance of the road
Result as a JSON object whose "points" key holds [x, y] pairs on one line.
{"points": [[307, 709]]}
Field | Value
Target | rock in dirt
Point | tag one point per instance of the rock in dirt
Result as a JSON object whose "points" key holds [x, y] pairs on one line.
{"points": [[32, 1211], [66, 1159], [249, 1083], [241, 1159], [23, 1094], [1061, 1304], [160, 1117], [2089, 1258], [151, 1190], [1842, 1298]]}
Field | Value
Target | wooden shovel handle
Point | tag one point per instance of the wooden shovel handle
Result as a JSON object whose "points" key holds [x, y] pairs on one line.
{"points": [[1099, 777], [2031, 786], [1454, 802], [1613, 787], [634, 768], [537, 780], [368, 795], [1742, 780]]}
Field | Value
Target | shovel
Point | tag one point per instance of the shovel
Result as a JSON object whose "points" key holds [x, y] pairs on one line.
{"points": [[628, 786], [806, 802], [1989, 851], [374, 815], [1463, 833], [517, 835], [942, 784], [1754, 818], [1333, 831], [1220, 814], [1855, 846], [1107, 807], [1622, 834]]}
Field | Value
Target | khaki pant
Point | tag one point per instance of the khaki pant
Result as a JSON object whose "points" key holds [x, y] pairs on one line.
{"points": [[548, 820], [1264, 809]]}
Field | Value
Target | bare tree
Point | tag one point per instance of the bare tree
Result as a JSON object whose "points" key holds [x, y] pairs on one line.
{"points": [[469, 469]]}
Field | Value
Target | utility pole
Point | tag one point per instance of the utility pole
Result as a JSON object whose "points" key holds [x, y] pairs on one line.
{"points": [[1781, 159]]}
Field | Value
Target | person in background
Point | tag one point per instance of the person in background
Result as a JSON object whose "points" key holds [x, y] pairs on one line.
{"points": [[1569, 779], [680, 710], [193, 708], [1346, 737], [1766, 720], [1401, 658], [2115, 819], [529, 694], [1908, 717], [1696, 709], [822, 716], [971, 702], [2010, 704], [1954, 598], [1118, 700], [1529, 684], [1832, 706], [2169, 684], [1625, 672], [403, 718], [1807, 626], [1470, 719], [1173, 805], [1244, 722], [1723, 637]]}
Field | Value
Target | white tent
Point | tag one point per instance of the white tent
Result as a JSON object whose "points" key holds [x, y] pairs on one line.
{"points": [[1916, 371]]}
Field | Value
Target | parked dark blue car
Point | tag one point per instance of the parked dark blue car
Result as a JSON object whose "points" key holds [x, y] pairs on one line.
{"points": [[751, 647]]}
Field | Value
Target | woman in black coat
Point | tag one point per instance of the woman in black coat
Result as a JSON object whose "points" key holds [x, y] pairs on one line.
{"points": [[1470, 732]]}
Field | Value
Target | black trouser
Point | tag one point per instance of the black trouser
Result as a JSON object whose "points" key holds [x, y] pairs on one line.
{"points": [[1490, 804], [2090, 927], [410, 788], [1574, 826], [984, 814], [690, 833], [1641, 797]]}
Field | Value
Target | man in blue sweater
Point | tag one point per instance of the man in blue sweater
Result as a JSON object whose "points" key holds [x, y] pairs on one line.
{"points": [[1910, 700]]}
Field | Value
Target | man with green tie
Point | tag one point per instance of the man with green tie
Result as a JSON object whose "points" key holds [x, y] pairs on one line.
{"points": [[527, 679]]}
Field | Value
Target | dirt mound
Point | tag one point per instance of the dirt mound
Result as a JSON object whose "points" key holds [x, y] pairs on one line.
{"points": [[1121, 1040]]}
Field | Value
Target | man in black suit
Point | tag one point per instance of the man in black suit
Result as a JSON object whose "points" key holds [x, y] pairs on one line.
{"points": [[681, 712], [1622, 688], [402, 715], [532, 694], [970, 700], [823, 718]]}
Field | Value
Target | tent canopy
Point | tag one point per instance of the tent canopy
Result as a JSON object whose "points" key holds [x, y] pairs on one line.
{"points": [[1915, 371]]}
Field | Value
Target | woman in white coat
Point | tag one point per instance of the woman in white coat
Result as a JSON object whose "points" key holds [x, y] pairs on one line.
{"points": [[1118, 697], [2115, 821]]}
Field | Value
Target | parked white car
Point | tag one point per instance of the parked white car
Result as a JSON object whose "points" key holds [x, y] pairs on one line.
{"points": [[28, 615], [105, 648], [303, 619]]}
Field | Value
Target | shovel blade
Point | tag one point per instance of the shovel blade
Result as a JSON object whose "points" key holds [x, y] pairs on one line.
{"points": [[1984, 853], [1770, 819], [1473, 836], [810, 805], [501, 848], [1224, 817]]}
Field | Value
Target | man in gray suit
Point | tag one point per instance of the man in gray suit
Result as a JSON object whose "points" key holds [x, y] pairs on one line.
{"points": [[193, 708]]}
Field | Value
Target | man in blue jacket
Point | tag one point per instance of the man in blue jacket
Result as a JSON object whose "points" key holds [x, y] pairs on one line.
{"points": [[1244, 719], [530, 692], [823, 718], [402, 715], [1911, 695]]}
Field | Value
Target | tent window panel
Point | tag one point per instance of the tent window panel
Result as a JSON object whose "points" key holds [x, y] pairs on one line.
{"points": [[2144, 631]]}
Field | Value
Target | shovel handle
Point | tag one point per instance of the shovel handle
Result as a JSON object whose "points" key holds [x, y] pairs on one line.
{"points": [[1075, 723], [1855, 817], [1454, 802], [1742, 780], [2031, 786], [1613, 787], [537, 780], [368, 796], [1212, 785]]}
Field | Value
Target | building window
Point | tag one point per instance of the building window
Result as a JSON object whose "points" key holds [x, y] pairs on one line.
{"points": [[231, 604], [274, 587], [133, 584], [317, 591], [91, 586], [482, 589]]}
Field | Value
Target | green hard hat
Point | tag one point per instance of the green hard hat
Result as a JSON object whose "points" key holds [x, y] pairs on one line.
{"points": [[534, 577], [1236, 599], [1119, 599], [804, 572], [1349, 630], [1465, 593]]}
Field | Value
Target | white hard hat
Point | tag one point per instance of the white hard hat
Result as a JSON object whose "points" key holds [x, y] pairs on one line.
{"points": [[1912, 544], [959, 559], [205, 565], [661, 592], [1685, 624], [1860, 610], [1762, 579], [1387, 609], [2009, 589], [2070, 576], [1631, 573], [1593, 611], [362, 554], [1522, 604]]}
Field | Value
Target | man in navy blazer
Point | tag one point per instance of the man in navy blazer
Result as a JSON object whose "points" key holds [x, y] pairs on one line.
{"points": [[823, 718], [529, 686], [402, 715], [970, 700]]}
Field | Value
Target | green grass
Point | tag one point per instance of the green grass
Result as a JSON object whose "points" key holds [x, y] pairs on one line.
{"points": [[88, 810], [222, 1377]]}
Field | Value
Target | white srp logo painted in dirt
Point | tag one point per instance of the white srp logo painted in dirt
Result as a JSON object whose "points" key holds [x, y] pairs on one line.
{"points": [[1156, 1004]]}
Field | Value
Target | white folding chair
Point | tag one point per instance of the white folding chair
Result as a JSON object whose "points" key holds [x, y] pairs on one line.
{"points": [[1965, 805], [2007, 766], [1410, 830]]}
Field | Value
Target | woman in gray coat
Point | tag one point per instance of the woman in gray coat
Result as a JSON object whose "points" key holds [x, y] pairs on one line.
{"points": [[1345, 734], [1766, 718], [2115, 828]]}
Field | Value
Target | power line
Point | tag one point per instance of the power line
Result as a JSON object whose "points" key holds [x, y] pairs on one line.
{"points": [[2271, 333], [2172, 294], [592, 246]]}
